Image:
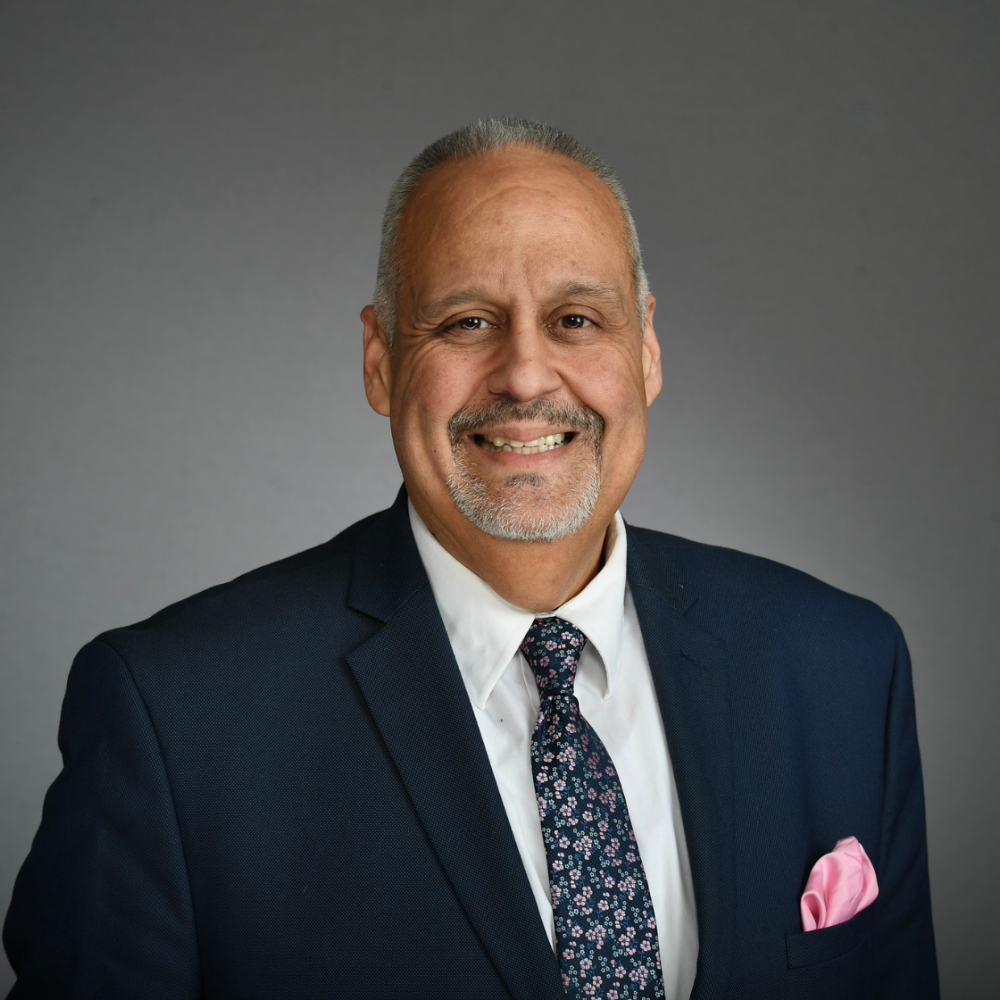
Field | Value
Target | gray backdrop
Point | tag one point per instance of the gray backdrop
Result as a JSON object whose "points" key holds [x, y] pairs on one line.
{"points": [[190, 195]]}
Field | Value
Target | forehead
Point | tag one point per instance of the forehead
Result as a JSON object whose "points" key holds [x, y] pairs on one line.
{"points": [[520, 197]]}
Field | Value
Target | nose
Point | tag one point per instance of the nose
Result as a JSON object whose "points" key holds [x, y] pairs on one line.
{"points": [[525, 366]]}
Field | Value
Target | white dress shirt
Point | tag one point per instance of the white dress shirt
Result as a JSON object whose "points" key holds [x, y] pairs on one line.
{"points": [[617, 697]]}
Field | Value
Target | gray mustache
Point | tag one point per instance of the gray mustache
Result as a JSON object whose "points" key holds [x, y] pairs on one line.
{"points": [[471, 419]]}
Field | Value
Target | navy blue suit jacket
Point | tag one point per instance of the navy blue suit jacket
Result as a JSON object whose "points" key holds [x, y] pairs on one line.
{"points": [[277, 788]]}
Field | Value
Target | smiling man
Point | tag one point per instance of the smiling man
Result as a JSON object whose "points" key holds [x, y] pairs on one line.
{"points": [[516, 361], [492, 742]]}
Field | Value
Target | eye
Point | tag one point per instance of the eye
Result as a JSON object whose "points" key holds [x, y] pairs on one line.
{"points": [[470, 324], [574, 321]]}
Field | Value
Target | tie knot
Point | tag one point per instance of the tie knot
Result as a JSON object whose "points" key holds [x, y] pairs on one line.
{"points": [[552, 647]]}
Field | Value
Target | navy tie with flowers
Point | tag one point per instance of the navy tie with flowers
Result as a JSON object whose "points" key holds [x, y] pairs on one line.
{"points": [[605, 929]]}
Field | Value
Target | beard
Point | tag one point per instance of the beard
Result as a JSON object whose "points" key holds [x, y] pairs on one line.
{"points": [[528, 507]]}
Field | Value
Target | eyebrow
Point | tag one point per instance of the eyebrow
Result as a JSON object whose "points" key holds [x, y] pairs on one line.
{"points": [[588, 290], [454, 301], [570, 290]]}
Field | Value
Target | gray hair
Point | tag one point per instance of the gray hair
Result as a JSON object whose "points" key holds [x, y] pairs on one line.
{"points": [[491, 135]]}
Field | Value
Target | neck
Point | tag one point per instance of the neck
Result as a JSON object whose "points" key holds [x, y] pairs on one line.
{"points": [[536, 576]]}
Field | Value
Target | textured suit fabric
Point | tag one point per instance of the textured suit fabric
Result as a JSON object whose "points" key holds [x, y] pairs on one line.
{"points": [[261, 798]]}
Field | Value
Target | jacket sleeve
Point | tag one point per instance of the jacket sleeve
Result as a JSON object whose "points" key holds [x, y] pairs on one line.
{"points": [[102, 906], [905, 961]]}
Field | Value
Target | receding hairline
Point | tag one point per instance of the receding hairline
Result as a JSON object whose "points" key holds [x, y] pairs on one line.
{"points": [[555, 158], [519, 148]]}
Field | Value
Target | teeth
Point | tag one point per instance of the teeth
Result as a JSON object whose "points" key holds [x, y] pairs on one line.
{"points": [[548, 442]]}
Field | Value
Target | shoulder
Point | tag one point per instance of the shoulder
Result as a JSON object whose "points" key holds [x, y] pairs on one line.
{"points": [[261, 615], [737, 595]]}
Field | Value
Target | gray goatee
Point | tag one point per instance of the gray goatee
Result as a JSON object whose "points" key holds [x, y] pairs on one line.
{"points": [[527, 507]]}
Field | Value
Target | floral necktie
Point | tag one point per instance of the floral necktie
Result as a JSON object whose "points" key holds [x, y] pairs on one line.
{"points": [[605, 929]]}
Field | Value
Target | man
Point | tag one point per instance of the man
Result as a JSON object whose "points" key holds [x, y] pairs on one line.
{"points": [[490, 742]]}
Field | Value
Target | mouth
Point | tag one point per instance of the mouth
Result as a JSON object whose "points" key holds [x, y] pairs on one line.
{"points": [[547, 442]]}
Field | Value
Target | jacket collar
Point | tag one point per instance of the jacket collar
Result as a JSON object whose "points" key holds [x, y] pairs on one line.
{"points": [[387, 570], [408, 676], [691, 674]]}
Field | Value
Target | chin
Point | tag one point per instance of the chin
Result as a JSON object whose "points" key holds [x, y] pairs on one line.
{"points": [[517, 513]]}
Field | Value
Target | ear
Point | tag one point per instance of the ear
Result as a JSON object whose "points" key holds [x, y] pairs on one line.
{"points": [[378, 371], [652, 372]]}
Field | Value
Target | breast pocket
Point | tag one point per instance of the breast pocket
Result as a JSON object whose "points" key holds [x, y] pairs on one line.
{"points": [[813, 947]]}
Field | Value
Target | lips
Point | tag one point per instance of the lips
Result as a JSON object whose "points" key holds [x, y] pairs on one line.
{"points": [[547, 442], [496, 426]]}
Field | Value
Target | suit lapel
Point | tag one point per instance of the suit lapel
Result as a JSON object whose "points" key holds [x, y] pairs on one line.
{"points": [[409, 678], [691, 675]]}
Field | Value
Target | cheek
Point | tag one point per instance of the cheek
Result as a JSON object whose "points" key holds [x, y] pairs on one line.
{"points": [[616, 392], [433, 390]]}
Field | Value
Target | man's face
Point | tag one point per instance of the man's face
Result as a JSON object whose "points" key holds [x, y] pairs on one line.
{"points": [[519, 378]]}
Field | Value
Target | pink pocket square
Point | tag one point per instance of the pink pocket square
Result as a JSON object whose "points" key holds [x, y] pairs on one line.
{"points": [[841, 884]]}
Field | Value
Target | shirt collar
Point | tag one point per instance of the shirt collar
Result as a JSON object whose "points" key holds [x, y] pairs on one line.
{"points": [[485, 631]]}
